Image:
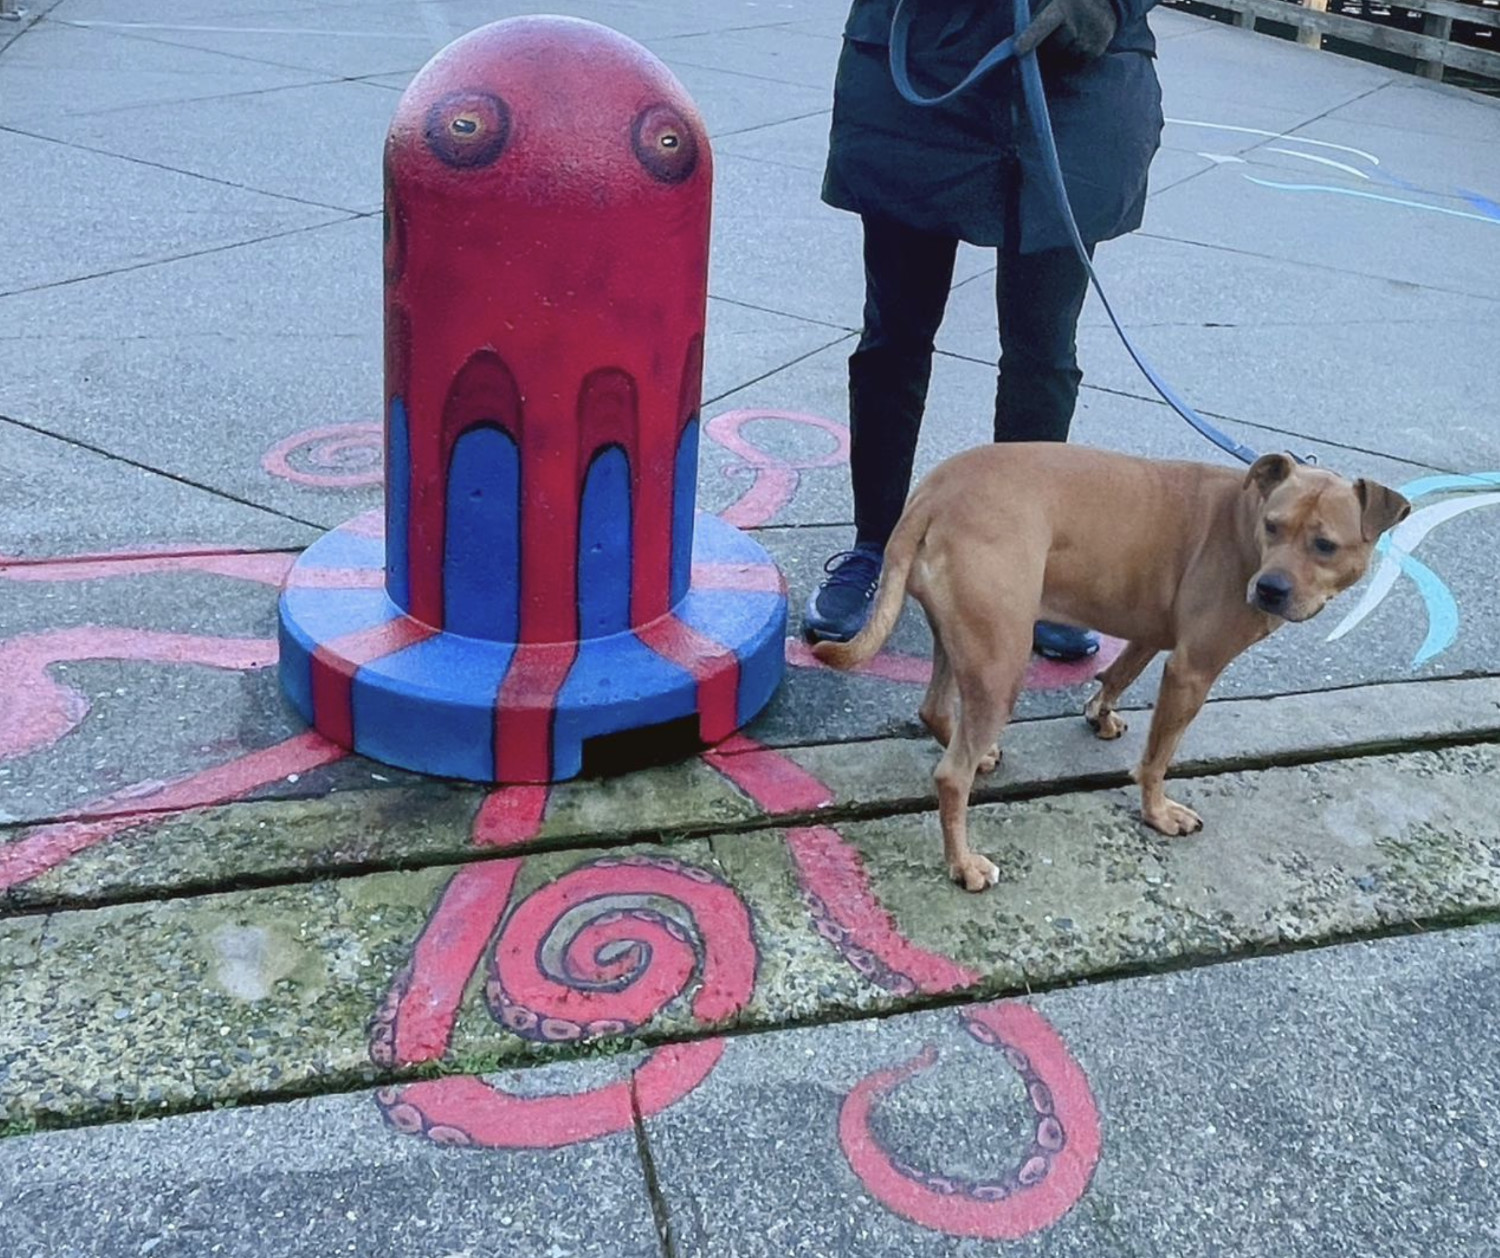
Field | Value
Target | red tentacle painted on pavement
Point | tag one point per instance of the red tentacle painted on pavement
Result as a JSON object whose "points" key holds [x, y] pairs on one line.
{"points": [[1041, 674], [39, 710], [473, 1112], [262, 566], [596, 953], [770, 778], [339, 456], [48, 846], [510, 815], [1053, 1170], [590, 953], [775, 478], [845, 911]]}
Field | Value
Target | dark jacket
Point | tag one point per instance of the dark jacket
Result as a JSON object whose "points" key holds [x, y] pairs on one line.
{"points": [[946, 168]]}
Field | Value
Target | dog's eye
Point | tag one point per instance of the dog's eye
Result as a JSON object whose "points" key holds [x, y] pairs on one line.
{"points": [[1325, 547], [1272, 528]]}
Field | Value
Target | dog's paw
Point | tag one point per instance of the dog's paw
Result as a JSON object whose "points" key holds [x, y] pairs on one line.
{"points": [[1173, 819], [990, 761], [1106, 725], [974, 873]]}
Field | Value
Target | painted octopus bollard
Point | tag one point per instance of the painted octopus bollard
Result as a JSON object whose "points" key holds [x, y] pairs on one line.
{"points": [[544, 578]]}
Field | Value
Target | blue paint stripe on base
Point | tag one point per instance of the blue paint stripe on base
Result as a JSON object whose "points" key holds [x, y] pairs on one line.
{"points": [[431, 706], [616, 684], [604, 547], [753, 625], [344, 548], [684, 501], [482, 541]]}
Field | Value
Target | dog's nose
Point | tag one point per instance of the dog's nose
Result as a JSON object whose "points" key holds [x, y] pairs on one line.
{"points": [[1273, 590]]}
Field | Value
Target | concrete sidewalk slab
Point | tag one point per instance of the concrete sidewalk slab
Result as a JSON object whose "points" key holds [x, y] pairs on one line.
{"points": [[130, 215], [324, 1176], [58, 71], [264, 354], [315, 39], [53, 491], [263, 143], [262, 993], [1406, 105], [1347, 233], [763, 52], [1231, 66], [1336, 1099]]}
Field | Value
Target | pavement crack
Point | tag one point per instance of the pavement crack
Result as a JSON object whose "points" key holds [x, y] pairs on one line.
{"points": [[660, 1212], [175, 170], [19, 903], [766, 375], [188, 481]]}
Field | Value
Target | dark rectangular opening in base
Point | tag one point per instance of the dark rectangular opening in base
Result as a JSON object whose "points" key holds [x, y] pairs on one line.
{"points": [[668, 743]]}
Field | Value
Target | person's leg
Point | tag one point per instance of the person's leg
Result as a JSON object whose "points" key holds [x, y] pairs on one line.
{"points": [[907, 277], [1038, 298]]}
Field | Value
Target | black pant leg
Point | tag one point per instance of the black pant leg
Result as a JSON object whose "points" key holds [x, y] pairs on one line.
{"points": [[1038, 298], [908, 274]]}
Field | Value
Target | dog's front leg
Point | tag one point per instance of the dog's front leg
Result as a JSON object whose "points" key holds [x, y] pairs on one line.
{"points": [[1114, 681], [1185, 684]]}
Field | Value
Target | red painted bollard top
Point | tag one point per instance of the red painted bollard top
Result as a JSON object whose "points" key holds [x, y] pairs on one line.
{"points": [[548, 186], [547, 191]]}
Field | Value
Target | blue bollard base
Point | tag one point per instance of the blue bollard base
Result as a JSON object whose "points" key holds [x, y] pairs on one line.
{"points": [[372, 679]]}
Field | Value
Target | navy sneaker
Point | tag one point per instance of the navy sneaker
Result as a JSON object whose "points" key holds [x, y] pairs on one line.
{"points": [[840, 606], [1063, 642]]}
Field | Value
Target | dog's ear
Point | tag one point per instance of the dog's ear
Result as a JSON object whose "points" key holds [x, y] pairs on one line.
{"points": [[1379, 508], [1268, 471]]}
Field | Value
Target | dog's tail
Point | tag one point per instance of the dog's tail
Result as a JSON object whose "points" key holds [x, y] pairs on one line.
{"points": [[900, 552]]}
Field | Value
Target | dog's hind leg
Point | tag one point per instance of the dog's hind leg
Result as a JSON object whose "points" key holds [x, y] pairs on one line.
{"points": [[940, 702], [987, 650], [1113, 682]]}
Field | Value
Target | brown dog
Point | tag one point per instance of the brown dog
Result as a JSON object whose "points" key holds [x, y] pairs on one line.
{"points": [[1198, 560]]}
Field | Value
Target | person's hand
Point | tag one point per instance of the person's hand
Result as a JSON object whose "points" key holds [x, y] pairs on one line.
{"points": [[1080, 28]]}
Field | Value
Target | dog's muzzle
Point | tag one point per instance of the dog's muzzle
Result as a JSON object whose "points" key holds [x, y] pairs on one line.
{"points": [[1271, 592]]}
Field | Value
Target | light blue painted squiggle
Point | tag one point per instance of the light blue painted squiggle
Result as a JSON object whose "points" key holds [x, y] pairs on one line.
{"points": [[1442, 609], [1372, 196]]}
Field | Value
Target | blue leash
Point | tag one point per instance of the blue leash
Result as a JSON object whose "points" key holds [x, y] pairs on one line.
{"points": [[1036, 107]]}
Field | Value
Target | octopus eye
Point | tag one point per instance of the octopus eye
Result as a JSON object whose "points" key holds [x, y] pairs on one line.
{"points": [[665, 144], [467, 129]]}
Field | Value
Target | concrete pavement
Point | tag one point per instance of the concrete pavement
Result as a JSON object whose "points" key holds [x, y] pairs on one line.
{"points": [[735, 1007]]}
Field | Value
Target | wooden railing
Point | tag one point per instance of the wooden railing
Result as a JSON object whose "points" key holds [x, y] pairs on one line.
{"points": [[1432, 48]]}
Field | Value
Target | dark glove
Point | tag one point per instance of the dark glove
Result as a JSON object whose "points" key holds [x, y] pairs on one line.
{"points": [[1082, 28]]}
